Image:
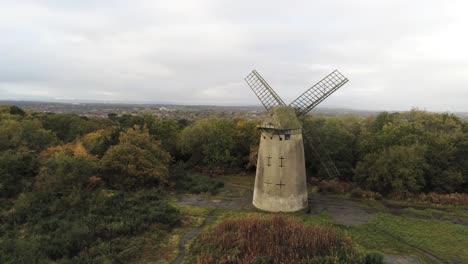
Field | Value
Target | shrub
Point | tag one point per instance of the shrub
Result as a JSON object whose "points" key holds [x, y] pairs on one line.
{"points": [[194, 183], [334, 186], [61, 172], [396, 170], [82, 226], [357, 192], [446, 199], [277, 239], [374, 258]]}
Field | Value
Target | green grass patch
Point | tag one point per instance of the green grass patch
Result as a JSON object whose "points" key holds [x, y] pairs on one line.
{"points": [[244, 180], [411, 236], [199, 184]]}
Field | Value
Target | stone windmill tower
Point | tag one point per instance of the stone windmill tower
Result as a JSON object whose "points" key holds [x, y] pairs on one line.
{"points": [[280, 181]]}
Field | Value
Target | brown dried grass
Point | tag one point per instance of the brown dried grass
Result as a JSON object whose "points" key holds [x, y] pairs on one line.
{"points": [[277, 239], [334, 186], [445, 199]]}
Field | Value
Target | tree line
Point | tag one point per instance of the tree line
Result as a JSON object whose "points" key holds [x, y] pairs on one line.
{"points": [[403, 153]]}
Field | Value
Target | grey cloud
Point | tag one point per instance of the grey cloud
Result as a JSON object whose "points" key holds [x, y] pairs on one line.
{"points": [[397, 54]]}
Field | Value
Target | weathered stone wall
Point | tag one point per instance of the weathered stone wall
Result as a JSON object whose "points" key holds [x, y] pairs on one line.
{"points": [[280, 183]]}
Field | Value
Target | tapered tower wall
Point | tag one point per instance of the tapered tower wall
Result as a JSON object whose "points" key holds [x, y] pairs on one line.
{"points": [[280, 182]]}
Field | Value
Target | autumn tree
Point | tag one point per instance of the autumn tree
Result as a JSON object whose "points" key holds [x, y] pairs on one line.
{"points": [[137, 161]]}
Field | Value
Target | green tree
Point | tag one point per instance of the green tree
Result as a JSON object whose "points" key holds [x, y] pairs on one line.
{"points": [[248, 139], [25, 133], [62, 172], [396, 170], [440, 133], [14, 110], [165, 130], [333, 136], [17, 169], [68, 127], [210, 142]]}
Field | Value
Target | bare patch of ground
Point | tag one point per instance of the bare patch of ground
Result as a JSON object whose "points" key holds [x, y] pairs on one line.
{"points": [[233, 203], [400, 210], [399, 259], [343, 212]]}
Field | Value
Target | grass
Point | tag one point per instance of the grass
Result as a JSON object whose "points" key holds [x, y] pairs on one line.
{"points": [[410, 236], [244, 180], [236, 186]]}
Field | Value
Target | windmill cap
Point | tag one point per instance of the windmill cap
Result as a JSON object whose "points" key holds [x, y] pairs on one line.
{"points": [[281, 117]]}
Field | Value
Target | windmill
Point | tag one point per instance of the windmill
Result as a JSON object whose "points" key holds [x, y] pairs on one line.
{"points": [[280, 181]]}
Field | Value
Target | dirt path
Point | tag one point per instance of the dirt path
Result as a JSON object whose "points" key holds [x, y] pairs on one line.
{"points": [[400, 210], [399, 259], [236, 203], [343, 212], [188, 236], [231, 203]]}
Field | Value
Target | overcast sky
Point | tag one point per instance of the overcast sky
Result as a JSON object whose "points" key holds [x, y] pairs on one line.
{"points": [[398, 54]]}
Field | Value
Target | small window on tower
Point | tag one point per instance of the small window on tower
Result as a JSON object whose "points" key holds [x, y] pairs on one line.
{"points": [[287, 137]]}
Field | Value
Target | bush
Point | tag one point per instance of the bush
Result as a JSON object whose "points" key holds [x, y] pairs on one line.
{"points": [[396, 170], [194, 183], [62, 172], [334, 186], [374, 258], [84, 226], [281, 238], [359, 193], [446, 199]]}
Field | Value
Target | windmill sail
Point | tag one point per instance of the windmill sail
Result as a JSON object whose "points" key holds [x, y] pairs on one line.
{"points": [[263, 90], [319, 92]]}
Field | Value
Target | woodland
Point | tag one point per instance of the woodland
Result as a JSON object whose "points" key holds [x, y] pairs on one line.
{"points": [[77, 189]]}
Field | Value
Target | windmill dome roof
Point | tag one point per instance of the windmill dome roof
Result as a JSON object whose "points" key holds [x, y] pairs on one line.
{"points": [[282, 117]]}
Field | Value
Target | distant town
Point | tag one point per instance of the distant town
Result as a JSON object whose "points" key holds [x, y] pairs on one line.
{"points": [[173, 111]]}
